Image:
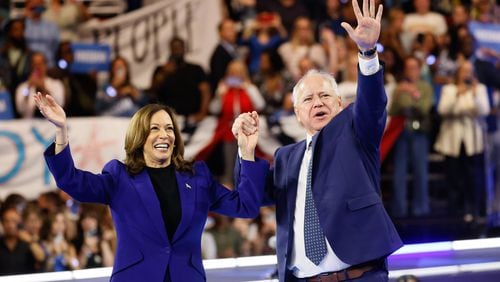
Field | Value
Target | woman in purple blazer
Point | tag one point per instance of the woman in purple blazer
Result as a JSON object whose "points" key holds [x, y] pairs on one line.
{"points": [[159, 201]]}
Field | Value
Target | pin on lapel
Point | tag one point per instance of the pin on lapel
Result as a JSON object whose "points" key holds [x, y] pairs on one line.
{"points": [[188, 186]]}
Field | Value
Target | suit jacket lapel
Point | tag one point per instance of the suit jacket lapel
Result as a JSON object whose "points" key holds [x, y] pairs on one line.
{"points": [[295, 160], [148, 197], [187, 193], [315, 158]]}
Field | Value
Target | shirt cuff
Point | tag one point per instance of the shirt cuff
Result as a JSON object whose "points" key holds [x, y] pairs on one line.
{"points": [[369, 66]]}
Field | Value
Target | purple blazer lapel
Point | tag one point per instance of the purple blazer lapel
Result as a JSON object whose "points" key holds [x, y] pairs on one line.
{"points": [[187, 193], [148, 197]]}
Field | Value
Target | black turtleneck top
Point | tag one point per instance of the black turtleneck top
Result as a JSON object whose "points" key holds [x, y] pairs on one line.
{"points": [[165, 185]]}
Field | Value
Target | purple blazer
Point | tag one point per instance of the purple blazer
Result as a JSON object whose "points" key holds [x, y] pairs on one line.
{"points": [[144, 251], [345, 182]]}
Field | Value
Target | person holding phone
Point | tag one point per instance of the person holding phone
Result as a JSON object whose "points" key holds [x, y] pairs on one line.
{"points": [[38, 81], [462, 106], [92, 249], [119, 97]]}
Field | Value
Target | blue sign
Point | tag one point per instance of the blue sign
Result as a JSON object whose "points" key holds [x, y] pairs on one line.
{"points": [[486, 34], [90, 57], [6, 109]]}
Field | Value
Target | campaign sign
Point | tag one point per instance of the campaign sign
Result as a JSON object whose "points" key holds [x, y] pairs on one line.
{"points": [[90, 57], [486, 34], [6, 109]]}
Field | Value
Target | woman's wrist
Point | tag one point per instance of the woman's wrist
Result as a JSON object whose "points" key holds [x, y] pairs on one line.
{"points": [[61, 136]]}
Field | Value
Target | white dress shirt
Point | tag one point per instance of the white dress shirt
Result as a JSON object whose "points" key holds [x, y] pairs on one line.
{"points": [[300, 265]]}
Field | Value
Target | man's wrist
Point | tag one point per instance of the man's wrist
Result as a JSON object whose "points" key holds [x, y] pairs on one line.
{"points": [[369, 66], [247, 156], [368, 53]]}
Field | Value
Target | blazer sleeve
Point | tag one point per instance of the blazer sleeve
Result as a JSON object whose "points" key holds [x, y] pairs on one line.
{"points": [[268, 197], [82, 185], [370, 108], [246, 198]]}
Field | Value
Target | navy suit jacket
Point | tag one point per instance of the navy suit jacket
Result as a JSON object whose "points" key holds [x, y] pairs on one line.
{"points": [[144, 251], [345, 182]]}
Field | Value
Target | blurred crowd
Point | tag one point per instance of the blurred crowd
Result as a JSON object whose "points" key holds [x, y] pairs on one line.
{"points": [[56, 233], [441, 84]]}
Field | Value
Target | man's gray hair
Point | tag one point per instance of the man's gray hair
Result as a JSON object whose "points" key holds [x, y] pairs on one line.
{"points": [[314, 72]]}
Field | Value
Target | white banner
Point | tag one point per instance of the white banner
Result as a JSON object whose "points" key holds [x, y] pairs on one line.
{"points": [[142, 36], [93, 141]]}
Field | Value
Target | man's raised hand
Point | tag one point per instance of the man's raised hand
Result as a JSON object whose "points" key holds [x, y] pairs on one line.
{"points": [[367, 32]]}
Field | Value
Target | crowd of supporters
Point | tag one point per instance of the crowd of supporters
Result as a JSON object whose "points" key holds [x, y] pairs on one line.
{"points": [[441, 85]]}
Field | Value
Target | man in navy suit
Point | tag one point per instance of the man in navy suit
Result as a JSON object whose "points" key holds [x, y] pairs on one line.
{"points": [[332, 225]]}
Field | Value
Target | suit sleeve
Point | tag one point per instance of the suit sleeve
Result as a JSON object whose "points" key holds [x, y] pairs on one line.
{"points": [[246, 198], [82, 185], [268, 197], [370, 108]]}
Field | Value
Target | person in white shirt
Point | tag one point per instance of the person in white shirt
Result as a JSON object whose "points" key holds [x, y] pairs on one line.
{"points": [[463, 106], [37, 81], [423, 20], [302, 44]]}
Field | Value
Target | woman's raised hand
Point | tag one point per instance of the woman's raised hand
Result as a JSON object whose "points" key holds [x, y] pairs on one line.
{"points": [[49, 108]]}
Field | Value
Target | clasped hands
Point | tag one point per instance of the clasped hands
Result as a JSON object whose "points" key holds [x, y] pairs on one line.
{"points": [[246, 130]]}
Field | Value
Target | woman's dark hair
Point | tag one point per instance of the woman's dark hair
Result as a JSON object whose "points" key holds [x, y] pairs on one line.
{"points": [[8, 26]]}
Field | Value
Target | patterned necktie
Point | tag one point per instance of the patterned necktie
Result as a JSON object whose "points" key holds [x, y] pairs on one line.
{"points": [[314, 239]]}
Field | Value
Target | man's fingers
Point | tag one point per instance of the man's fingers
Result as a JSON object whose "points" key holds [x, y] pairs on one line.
{"points": [[254, 114], [250, 118], [366, 10], [243, 127], [357, 11], [348, 28], [372, 8], [248, 129], [379, 13], [246, 123], [255, 117]]}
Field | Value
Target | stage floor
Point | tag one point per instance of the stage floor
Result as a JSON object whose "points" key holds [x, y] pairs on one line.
{"points": [[454, 261]]}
